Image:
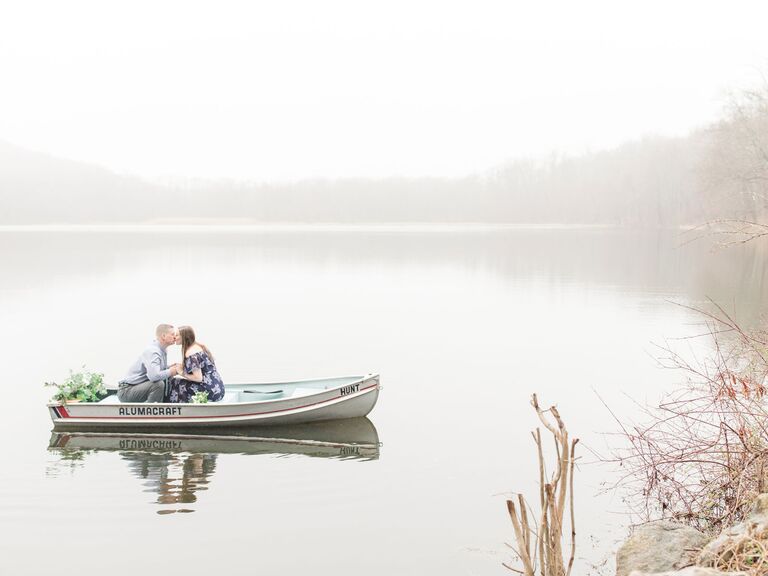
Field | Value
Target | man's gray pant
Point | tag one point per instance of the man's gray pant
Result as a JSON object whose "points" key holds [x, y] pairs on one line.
{"points": [[144, 392]]}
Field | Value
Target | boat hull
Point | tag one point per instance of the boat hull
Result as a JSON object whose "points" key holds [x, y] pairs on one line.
{"points": [[352, 398], [354, 438]]}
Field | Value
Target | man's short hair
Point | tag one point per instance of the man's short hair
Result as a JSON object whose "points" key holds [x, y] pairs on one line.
{"points": [[163, 329]]}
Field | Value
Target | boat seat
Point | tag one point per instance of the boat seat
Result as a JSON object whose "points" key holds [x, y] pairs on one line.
{"points": [[259, 395], [111, 399]]}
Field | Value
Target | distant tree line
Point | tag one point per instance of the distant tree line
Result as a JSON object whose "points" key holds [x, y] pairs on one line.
{"points": [[720, 171], [735, 168]]}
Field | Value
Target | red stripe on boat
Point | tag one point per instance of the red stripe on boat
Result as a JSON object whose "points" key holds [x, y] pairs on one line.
{"points": [[61, 442]]}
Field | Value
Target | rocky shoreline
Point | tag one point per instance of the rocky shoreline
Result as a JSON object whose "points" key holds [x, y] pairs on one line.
{"points": [[667, 548]]}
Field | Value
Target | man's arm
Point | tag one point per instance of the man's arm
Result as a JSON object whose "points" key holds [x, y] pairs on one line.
{"points": [[154, 365]]}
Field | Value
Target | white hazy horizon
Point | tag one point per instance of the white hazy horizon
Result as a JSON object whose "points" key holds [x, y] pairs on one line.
{"points": [[286, 90]]}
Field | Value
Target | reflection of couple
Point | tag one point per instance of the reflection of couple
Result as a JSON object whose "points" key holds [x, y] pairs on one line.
{"points": [[161, 473], [147, 378]]}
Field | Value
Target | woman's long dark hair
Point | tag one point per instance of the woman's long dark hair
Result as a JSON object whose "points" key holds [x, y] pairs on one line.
{"points": [[187, 335]]}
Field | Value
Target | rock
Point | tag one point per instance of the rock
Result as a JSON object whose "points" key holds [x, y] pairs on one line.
{"points": [[659, 547], [754, 526], [690, 571], [760, 508]]}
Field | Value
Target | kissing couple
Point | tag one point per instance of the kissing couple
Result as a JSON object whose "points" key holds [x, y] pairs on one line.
{"points": [[150, 379]]}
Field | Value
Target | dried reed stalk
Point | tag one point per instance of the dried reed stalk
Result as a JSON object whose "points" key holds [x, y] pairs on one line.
{"points": [[540, 545]]}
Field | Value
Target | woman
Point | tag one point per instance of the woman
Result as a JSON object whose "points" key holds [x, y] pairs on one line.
{"points": [[198, 372]]}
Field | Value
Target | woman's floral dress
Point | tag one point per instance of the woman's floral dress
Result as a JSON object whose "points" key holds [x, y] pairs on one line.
{"points": [[182, 390]]}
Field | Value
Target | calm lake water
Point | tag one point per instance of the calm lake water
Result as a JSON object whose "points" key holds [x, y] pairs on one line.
{"points": [[462, 325]]}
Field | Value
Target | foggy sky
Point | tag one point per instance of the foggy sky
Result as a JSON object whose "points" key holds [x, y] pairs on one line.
{"points": [[291, 89]]}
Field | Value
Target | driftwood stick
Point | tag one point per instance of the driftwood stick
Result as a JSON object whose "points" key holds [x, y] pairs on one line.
{"points": [[542, 538], [526, 527], [542, 502], [547, 544], [573, 514], [564, 470], [540, 413], [522, 552]]}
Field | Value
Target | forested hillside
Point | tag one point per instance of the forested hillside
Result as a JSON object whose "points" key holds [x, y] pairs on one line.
{"points": [[720, 171]]}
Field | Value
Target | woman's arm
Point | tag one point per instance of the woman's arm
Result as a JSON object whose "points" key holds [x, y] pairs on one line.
{"points": [[196, 375]]}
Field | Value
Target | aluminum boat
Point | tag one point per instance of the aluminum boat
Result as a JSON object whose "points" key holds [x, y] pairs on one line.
{"points": [[277, 403]]}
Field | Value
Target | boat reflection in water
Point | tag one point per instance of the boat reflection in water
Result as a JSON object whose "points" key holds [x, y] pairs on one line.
{"points": [[177, 466]]}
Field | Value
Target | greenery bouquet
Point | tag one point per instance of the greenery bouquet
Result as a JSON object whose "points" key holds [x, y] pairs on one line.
{"points": [[84, 386]]}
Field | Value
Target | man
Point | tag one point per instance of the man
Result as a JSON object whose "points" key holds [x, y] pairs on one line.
{"points": [[145, 381]]}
